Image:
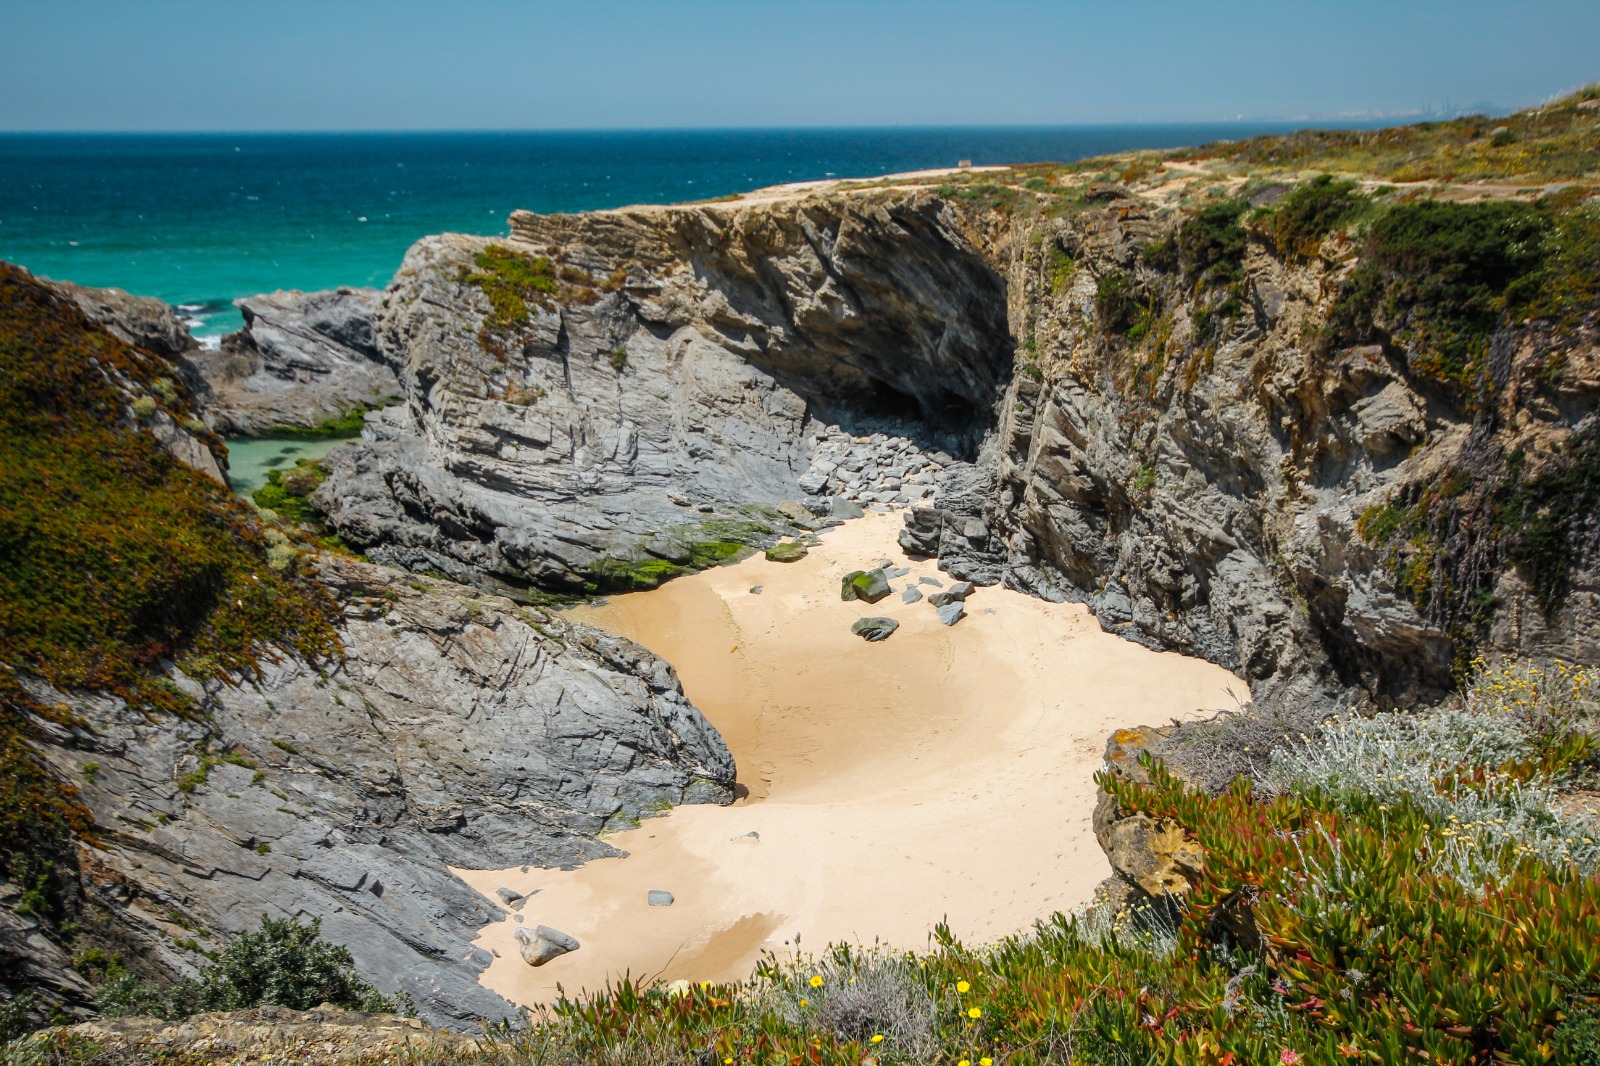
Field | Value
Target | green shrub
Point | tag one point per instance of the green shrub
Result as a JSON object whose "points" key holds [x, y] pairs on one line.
{"points": [[1299, 223], [287, 493], [1211, 244], [1124, 310], [282, 964], [1437, 275]]}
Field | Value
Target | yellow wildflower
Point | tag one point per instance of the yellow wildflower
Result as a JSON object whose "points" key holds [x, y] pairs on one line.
{"points": [[816, 981], [963, 987], [805, 1003], [974, 1012], [877, 1038]]}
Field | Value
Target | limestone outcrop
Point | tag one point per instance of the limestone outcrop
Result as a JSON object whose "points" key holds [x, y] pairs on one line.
{"points": [[459, 730], [685, 365], [301, 360]]}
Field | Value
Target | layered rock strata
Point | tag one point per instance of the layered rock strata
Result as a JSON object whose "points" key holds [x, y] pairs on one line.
{"points": [[301, 360], [460, 730], [687, 362]]}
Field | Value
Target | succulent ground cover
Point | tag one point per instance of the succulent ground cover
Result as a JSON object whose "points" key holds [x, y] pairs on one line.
{"points": [[116, 561]]}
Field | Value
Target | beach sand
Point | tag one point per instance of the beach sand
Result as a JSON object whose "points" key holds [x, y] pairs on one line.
{"points": [[944, 773]]}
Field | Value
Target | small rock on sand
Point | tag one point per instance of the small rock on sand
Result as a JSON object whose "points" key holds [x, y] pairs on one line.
{"points": [[951, 613], [935, 582], [874, 628], [790, 551], [658, 897], [542, 943], [507, 896], [955, 593], [911, 595], [755, 590]]}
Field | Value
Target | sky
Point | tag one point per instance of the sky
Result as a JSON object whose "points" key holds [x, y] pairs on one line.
{"points": [[238, 65]]}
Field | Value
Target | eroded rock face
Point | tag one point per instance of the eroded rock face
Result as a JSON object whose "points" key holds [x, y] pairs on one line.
{"points": [[1215, 508], [693, 362], [141, 321], [301, 360], [460, 730]]}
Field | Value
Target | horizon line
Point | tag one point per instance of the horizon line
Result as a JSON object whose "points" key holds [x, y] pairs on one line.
{"points": [[1397, 118]]}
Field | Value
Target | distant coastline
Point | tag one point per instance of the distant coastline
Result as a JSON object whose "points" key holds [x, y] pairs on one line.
{"points": [[200, 219]]}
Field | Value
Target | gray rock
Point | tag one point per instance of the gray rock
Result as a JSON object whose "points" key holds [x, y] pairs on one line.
{"points": [[756, 590], [301, 360], [541, 944], [659, 898], [846, 509], [874, 628], [950, 613], [911, 594], [459, 730], [935, 582], [867, 585], [960, 590], [508, 897], [141, 321]]}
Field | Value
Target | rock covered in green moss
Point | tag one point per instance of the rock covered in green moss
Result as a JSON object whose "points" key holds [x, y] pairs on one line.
{"points": [[868, 585], [790, 551]]}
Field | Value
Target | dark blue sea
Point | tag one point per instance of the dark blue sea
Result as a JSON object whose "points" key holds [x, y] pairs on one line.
{"points": [[199, 219]]}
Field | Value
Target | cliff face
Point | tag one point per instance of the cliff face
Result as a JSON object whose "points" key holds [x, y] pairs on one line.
{"points": [[656, 367], [204, 721], [1190, 436]]}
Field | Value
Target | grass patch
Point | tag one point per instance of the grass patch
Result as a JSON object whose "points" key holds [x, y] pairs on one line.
{"points": [[287, 492], [344, 426]]}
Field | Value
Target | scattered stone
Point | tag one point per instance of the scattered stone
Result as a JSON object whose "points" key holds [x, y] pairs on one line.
{"points": [[507, 896], [752, 835], [892, 572], [704, 508], [954, 594], [543, 943], [868, 585], [847, 509], [874, 628], [755, 590], [790, 551], [935, 582], [911, 595], [657, 897], [517, 918], [951, 613]]}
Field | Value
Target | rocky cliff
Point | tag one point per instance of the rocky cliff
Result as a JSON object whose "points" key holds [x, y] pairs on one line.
{"points": [[600, 391], [204, 721], [1232, 431]]}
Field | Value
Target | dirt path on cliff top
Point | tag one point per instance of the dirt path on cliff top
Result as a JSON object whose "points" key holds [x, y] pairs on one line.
{"points": [[944, 772]]}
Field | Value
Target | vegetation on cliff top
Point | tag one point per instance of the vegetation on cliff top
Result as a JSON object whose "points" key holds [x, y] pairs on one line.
{"points": [[115, 559]]}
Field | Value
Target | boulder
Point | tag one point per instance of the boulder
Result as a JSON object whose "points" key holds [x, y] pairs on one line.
{"points": [[868, 585], [790, 551], [507, 896], [951, 613], [541, 944], [874, 628]]}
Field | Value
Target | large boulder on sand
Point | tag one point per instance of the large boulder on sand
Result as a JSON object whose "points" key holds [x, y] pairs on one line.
{"points": [[541, 944], [868, 585]]}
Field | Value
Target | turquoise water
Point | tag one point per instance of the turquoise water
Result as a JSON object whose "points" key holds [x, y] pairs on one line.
{"points": [[200, 219], [251, 459]]}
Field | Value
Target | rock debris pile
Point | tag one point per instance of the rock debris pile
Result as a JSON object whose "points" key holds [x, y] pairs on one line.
{"points": [[876, 469]]}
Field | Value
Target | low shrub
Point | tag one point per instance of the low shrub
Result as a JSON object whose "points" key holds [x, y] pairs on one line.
{"points": [[281, 964]]}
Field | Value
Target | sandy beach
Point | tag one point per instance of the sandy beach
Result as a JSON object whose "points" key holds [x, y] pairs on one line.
{"points": [[945, 773]]}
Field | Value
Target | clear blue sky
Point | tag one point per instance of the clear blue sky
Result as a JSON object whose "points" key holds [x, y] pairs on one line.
{"points": [[528, 64]]}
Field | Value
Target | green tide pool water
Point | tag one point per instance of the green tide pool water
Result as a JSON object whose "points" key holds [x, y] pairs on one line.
{"points": [[251, 459]]}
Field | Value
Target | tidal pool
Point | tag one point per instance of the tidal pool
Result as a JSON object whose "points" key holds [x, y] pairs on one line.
{"points": [[251, 459]]}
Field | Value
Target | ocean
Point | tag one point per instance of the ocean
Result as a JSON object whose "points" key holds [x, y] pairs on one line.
{"points": [[202, 219]]}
